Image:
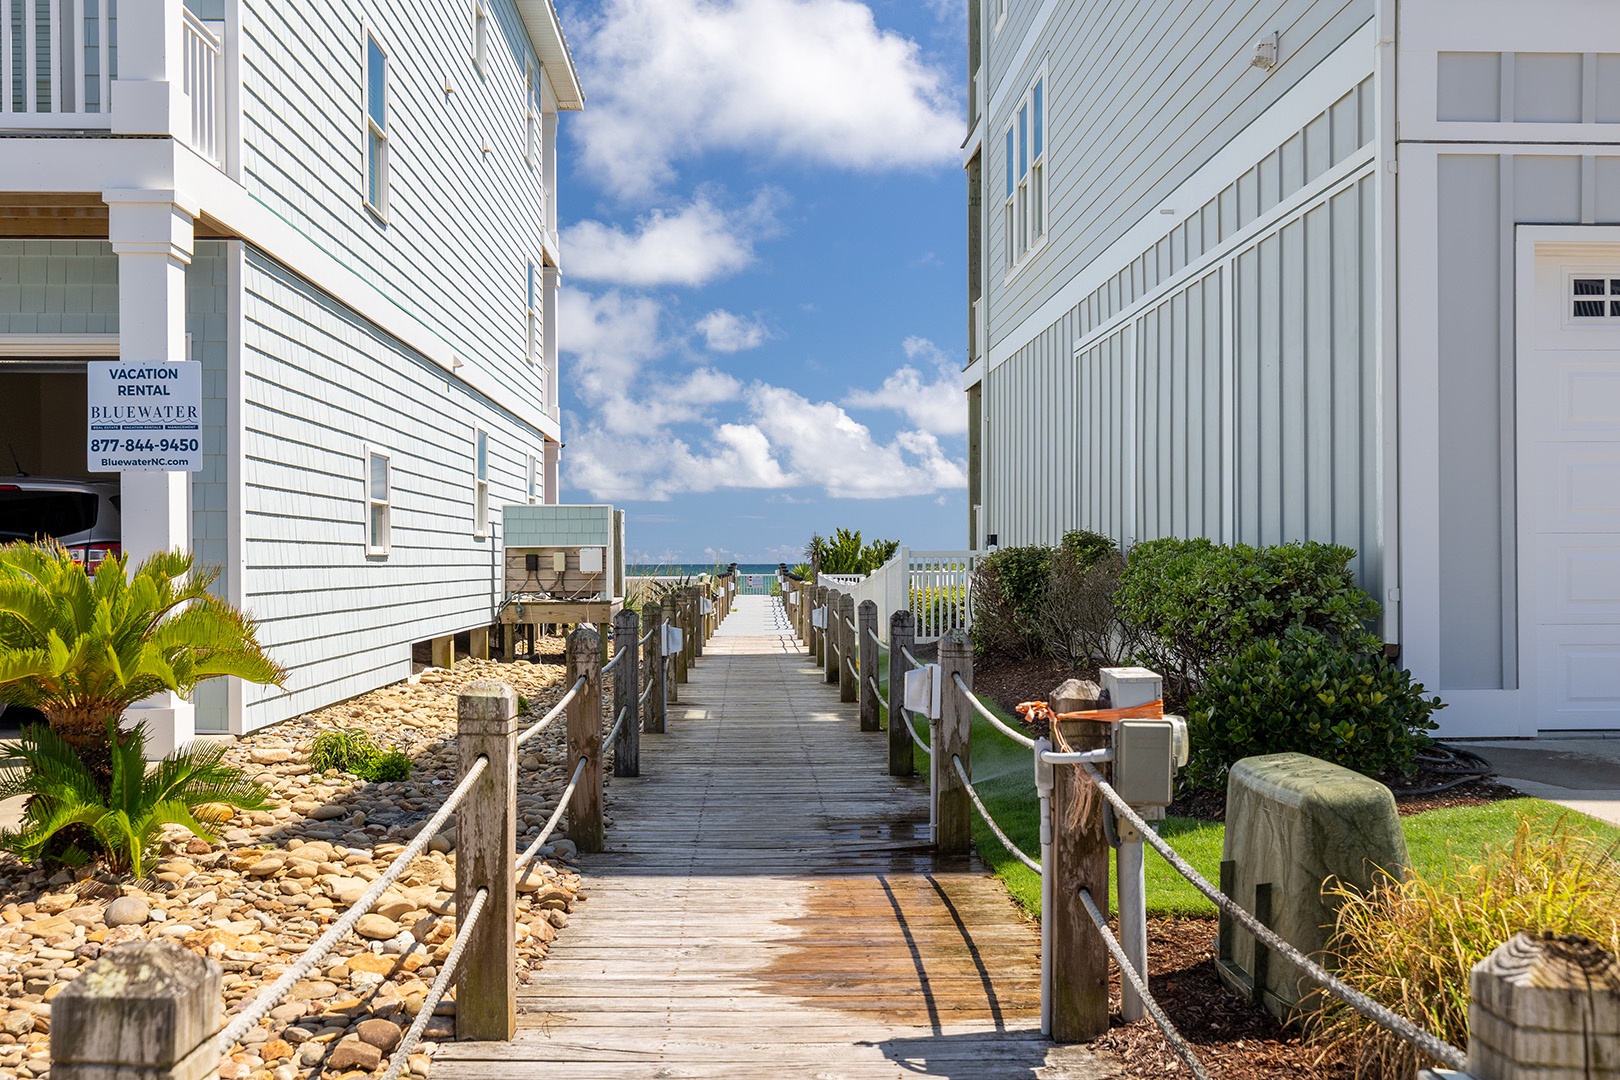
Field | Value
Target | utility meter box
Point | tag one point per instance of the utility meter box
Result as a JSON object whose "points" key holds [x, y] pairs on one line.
{"points": [[1145, 753], [563, 564], [1128, 687]]}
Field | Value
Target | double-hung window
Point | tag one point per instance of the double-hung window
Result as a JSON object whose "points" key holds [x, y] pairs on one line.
{"points": [[533, 479], [531, 123], [481, 482], [481, 36], [534, 314], [1024, 207], [376, 127], [378, 509]]}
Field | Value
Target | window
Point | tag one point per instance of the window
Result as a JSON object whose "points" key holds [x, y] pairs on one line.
{"points": [[481, 36], [1594, 298], [533, 479], [534, 315], [1024, 207], [376, 127], [998, 13], [531, 124], [379, 481], [481, 483]]}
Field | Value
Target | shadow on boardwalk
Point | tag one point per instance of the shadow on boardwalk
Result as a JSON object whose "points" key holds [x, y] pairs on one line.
{"points": [[768, 906]]}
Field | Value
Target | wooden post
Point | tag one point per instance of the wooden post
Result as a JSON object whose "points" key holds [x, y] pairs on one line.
{"points": [[443, 652], [699, 621], [833, 639], [868, 652], [902, 633], [671, 663], [849, 685], [1079, 861], [626, 692], [676, 615], [953, 818], [478, 643], [585, 740], [818, 640], [652, 720], [1541, 1008], [486, 842], [145, 1010]]}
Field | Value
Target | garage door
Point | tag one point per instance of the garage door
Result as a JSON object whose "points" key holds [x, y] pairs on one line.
{"points": [[1569, 490]]}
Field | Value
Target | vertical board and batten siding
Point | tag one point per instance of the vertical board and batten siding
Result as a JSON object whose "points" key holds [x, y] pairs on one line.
{"points": [[1139, 97], [462, 224], [208, 325], [319, 386]]}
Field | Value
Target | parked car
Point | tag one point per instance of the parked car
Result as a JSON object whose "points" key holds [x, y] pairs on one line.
{"points": [[81, 515]]}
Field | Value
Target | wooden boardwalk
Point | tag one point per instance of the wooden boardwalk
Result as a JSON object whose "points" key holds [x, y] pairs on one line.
{"points": [[767, 907]]}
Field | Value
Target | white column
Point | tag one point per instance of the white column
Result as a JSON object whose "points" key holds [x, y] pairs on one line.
{"points": [[148, 97], [553, 489], [548, 338], [152, 236]]}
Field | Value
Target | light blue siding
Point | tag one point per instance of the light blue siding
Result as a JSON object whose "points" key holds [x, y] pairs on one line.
{"points": [[58, 287]]}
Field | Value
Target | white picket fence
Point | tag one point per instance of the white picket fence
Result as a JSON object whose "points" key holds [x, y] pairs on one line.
{"points": [[936, 585]]}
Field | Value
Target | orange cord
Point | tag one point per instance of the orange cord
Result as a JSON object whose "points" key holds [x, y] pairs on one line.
{"points": [[1033, 711]]}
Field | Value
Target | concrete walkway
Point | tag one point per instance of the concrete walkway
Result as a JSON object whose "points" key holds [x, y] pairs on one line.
{"points": [[768, 907], [1580, 772]]}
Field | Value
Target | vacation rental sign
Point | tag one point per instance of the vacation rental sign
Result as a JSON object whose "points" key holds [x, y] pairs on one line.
{"points": [[145, 417]]}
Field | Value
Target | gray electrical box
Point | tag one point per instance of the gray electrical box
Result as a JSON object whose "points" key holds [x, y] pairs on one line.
{"points": [[1145, 754]]}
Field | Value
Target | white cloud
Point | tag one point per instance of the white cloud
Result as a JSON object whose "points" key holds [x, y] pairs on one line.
{"points": [[692, 245], [610, 336], [933, 403], [725, 332], [810, 80]]}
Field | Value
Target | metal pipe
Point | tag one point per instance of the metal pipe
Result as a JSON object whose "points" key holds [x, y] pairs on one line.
{"points": [[1043, 787]]}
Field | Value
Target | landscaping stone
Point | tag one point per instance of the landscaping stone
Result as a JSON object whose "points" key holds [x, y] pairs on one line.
{"points": [[128, 911]]}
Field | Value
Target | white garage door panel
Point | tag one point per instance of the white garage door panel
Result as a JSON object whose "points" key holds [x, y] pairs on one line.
{"points": [[1579, 581], [1569, 489], [1580, 676]]}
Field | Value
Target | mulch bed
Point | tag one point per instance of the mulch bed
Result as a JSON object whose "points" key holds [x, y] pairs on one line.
{"points": [[1235, 1040]]}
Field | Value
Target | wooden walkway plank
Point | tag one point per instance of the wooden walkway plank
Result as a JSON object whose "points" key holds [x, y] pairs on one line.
{"points": [[768, 905]]}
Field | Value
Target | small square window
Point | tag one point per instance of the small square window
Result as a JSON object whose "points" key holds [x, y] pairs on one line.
{"points": [[379, 509], [1594, 298]]}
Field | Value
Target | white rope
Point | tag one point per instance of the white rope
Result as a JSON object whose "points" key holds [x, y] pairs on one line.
{"points": [[912, 660], [871, 633], [556, 711], [533, 849], [1006, 842], [647, 693], [618, 654], [614, 734], [1177, 1043], [464, 929], [994, 720], [851, 624], [261, 1006], [871, 680], [1428, 1043], [648, 636], [854, 670], [905, 721]]}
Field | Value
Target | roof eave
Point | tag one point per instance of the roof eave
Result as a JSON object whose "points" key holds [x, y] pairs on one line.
{"points": [[540, 18]]}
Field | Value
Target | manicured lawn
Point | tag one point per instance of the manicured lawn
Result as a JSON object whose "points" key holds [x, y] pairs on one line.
{"points": [[1003, 774]]}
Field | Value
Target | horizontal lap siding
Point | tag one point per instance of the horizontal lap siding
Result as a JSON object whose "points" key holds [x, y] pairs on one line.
{"points": [[462, 224], [1139, 97], [319, 385]]}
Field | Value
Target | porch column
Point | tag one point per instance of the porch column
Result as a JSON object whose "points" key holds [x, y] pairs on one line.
{"points": [[148, 97], [553, 456], [152, 236]]}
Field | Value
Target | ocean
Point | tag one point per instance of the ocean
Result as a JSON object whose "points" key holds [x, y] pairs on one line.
{"points": [[755, 578]]}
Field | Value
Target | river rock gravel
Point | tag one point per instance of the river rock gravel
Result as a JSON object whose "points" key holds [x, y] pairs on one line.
{"points": [[277, 878]]}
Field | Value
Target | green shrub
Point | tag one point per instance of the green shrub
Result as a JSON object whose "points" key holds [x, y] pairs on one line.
{"points": [[355, 751], [1307, 694], [70, 818], [1007, 587], [1410, 944], [1033, 600], [1197, 603]]}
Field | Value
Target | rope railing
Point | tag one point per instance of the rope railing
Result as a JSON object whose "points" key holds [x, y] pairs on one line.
{"points": [[911, 660], [871, 633], [648, 636], [464, 928], [618, 654], [1177, 1042], [1381, 1015], [551, 714], [990, 717], [647, 693], [1006, 841], [852, 627], [533, 849], [871, 680], [905, 722], [854, 669], [260, 1007]]}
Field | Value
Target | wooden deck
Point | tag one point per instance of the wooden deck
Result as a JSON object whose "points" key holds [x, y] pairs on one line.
{"points": [[768, 907]]}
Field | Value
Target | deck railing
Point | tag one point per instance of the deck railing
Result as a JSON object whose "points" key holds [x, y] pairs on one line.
{"points": [[57, 62], [204, 82], [936, 585]]}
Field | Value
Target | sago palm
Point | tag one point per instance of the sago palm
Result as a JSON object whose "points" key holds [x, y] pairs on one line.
{"points": [[82, 649], [123, 820]]}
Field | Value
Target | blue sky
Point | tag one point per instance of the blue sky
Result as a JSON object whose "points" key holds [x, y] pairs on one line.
{"points": [[762, 321]]}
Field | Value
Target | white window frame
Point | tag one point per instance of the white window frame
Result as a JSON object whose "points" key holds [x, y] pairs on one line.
{"points": [[1000, 8], [1608, 300], [481, 18], [533, 309], [531, 122], [532, 478], [1026, 208], [367, 455], [371, 129], [480, 482]]}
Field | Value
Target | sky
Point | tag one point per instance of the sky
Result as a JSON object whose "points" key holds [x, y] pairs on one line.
{"points": [[762, 319]]}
